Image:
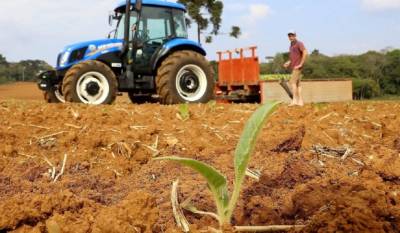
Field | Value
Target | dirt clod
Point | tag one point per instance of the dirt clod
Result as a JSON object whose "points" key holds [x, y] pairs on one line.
{"points": [[397, 144], [293, 142]]}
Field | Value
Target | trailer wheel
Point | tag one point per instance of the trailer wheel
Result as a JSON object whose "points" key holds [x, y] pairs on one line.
{"points": [[185, 77], [90, 82], [54, 96]]}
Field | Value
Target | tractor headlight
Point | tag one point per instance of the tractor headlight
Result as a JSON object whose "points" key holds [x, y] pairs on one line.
{"points": [[64, 58]]}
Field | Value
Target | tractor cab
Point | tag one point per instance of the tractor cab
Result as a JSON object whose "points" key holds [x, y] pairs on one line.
{"points": [[158, 25], [148, 56]]}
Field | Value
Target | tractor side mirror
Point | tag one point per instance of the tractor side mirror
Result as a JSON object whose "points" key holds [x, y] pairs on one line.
{"points": [[110, 19], [138, 5]]}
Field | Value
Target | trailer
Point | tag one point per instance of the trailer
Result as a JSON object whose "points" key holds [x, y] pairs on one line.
{"points": [[238, 75], [239, 81]]}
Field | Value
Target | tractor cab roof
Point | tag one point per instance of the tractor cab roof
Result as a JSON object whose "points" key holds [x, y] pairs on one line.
{"points": [[161, 3]]}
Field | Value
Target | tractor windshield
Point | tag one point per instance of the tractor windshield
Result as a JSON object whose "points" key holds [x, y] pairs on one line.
{"points": [[119, 33], [180, 23], [156, 25]]}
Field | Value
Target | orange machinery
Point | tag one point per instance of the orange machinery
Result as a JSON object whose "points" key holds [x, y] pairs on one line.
{"points": [[238, 75]]}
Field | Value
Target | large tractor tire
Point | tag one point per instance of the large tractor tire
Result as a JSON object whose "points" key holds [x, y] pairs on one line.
{"points": [[90, 82], [54, 96], [185, 77]]}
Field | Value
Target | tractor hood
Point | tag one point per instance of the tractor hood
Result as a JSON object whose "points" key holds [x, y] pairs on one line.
{"points": [[96, 43], [88, 50]]}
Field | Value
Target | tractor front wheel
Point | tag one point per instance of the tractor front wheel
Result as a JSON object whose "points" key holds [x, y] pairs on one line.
{"points": [[185, 77], [90, 82]]}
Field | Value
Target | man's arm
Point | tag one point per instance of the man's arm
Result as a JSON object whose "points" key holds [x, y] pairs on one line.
{"points": [[287, 64], [303, 58]]}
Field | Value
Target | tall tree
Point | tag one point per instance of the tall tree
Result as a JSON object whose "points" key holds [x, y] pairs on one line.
{"points": [[3, 69], [205, 13], [391, 83], [3, 60]]}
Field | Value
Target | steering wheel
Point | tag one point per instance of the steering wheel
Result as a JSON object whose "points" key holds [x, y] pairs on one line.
{"points": [[143, 35], [157, 38]]}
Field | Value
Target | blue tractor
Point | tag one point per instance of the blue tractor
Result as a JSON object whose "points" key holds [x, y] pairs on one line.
{"points": [[148, 56]]}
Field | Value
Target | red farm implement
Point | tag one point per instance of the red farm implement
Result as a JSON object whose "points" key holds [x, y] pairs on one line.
{"points": [[238, 75]]}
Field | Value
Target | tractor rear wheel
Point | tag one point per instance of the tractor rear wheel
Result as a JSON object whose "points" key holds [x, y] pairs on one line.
{"points": [[54, 96], [90, 82], [185, 77]]}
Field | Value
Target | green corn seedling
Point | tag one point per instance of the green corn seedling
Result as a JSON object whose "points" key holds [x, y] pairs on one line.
{"points": [[212, 105], [184, 113], [216, 181]]}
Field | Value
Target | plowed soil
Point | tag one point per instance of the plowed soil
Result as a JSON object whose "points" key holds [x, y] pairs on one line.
{"points": [[111, 184], [21, 91], [30, 91]]}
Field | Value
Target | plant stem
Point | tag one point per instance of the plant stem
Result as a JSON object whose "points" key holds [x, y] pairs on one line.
{"points": [[234, 199]]}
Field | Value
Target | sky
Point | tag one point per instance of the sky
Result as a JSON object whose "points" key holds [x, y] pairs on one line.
{"points": [[40, 29]]}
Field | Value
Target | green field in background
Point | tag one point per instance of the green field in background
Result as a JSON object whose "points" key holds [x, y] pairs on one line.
{"points": [[273, 77]]}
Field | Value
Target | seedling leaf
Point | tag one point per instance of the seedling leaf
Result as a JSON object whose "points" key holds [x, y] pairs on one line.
{"points": [[216, 181], [246, 147], [193, 209], [184, 113], [249, 138]]}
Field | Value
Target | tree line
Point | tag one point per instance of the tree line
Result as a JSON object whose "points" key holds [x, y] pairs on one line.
{"points": [[374, 74], [25, 70]]}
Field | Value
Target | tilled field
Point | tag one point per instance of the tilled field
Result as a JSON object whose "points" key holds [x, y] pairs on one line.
{"points": [[331, 167], [21, 91]]}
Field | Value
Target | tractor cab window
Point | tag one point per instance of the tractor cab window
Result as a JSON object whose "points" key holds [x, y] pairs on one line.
{"points": [[119, 33], [155, 25], [180, 23]]}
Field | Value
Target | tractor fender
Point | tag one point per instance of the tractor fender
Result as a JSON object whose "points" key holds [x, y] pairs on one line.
{"points": [[172, 46]]}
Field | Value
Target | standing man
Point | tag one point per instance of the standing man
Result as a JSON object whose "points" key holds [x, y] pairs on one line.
{"points": [[297, 58]]}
